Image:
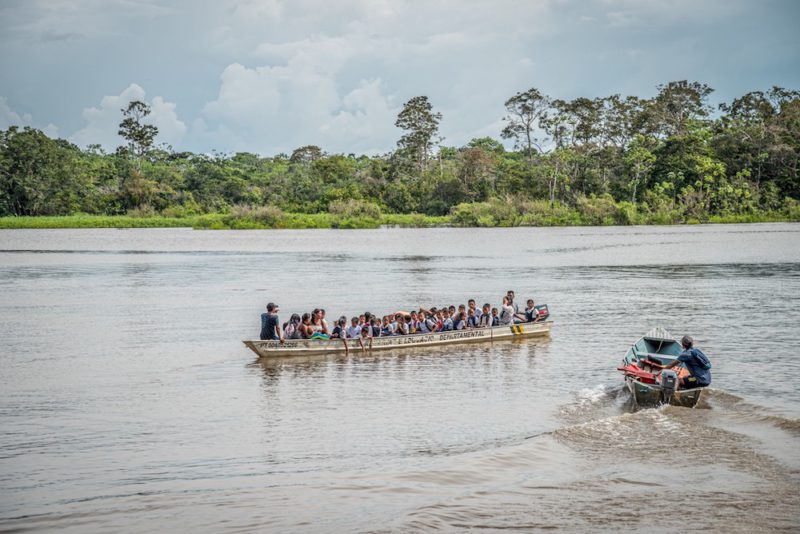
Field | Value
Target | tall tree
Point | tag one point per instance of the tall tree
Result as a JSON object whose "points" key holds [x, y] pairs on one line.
{"points": [[421, 124], [525, 112], [140, 136], [678, 104], [306, 154], [755, 134], [639, 161]]}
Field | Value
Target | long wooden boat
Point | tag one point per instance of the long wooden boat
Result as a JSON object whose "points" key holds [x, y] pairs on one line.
{"points": [[649, 384], [301, 347]]}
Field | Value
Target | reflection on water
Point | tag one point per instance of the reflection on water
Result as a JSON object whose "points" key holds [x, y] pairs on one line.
{"points": [[129, 402]]}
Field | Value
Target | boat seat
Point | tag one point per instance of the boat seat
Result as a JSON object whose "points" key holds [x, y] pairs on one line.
{"points": [[654, 355]]}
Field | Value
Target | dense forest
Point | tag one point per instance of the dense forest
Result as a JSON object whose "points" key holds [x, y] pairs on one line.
{"points": [[615, 160]]}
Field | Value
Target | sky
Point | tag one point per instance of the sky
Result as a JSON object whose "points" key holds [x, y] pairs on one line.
{"points": [[268, 76]]}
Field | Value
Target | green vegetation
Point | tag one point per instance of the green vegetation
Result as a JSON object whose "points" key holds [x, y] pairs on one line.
{"points": [[591, 212], [612, 160]]}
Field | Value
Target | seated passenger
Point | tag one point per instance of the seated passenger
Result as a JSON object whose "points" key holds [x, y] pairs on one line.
{"points": [[401, 328], [306, 330], [411, 323], [447, 322], [366, 338], [340, 330], [386, 327], [291, 330], [271, 325], [375, 324], [354, 330], [472, 319], [323, 322], [495, 317], [485, 319], [422, 323], [460, 321], [531, 313], [316, 322]]}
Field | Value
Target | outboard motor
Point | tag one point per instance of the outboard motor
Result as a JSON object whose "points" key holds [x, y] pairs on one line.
{"points": [[669, 383]]}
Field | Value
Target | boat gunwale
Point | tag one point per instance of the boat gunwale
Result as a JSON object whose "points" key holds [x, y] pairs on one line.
{"points": [[335, 346]]}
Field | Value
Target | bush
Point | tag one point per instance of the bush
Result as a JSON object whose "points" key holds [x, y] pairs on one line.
{"points": [[243, 216], [598, 211], [144, 210], [351, 208], [542, 213], [486, 214], [792, 209]]}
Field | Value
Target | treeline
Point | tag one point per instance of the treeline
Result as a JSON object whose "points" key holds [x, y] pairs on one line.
{"points": [[614, 160]]}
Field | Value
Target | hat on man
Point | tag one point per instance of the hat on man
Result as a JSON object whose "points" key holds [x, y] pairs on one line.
{"points": [[272, 307]]}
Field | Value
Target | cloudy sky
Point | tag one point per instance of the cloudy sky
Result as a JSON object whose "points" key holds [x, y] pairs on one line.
{"points": [[268, 76]]}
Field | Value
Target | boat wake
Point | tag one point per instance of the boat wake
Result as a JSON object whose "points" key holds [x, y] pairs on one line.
{"points": [[615, 466]]}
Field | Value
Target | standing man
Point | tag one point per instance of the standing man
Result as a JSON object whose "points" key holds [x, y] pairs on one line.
{"points": [[507, 314], [270, 324], [696, 363], [511, 296], [512, 299]]}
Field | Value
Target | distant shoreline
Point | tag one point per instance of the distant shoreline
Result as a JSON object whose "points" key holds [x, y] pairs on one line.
{"points": [[299, 221]]}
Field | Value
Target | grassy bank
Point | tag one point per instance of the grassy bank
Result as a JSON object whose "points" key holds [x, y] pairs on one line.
{"points": [[222, 221], [484, 214]]}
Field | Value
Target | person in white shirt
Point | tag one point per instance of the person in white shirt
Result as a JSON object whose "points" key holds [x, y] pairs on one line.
{"points": [[506, 312], [354, 330]]}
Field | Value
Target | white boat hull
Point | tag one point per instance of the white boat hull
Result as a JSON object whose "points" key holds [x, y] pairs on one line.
{"points": [[301, 347]]}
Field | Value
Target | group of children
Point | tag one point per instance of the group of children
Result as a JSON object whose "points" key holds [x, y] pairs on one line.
{"points": [[423, 321]]}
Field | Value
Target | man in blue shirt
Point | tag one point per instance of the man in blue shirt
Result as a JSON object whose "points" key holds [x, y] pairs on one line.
{"points": [[270, 324], [695, 362]]}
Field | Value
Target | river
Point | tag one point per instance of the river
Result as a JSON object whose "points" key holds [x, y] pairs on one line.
{"points": [[128, 402]]}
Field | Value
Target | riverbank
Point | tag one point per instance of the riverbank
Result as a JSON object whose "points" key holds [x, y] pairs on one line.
{"points": [[223, 221]]}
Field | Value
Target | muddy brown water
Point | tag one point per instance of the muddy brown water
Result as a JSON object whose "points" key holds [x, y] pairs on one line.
{"points": [[128, 402]]}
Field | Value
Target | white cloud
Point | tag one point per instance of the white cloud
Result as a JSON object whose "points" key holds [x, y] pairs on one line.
{"points": [[9, 117], [270, 75], [342, 88], [365, 121], [102, 123], [258, 10]]}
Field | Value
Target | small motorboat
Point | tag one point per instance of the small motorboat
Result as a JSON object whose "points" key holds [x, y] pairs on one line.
{"points": [[649, 383]]}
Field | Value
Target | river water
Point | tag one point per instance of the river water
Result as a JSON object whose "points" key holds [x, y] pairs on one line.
{"points": [[128, 402]]}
